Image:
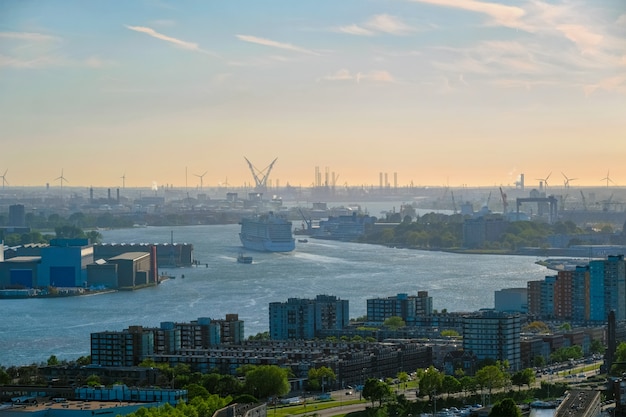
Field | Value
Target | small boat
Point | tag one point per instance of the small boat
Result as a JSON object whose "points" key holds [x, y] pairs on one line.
{"points": [[243, 259], [303, 240]]}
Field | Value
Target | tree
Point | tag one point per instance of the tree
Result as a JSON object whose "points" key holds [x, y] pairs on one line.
{"points": [[450, 332], [53, 361], [403, 377], [394, 322], [267, 381], [523, 377], [450, 384], [375, 390], [491, 376], [505, 408], [430, 381], [320, 378], [597, 346]]}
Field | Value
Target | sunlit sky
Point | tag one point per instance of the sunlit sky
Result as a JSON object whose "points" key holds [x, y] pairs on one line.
{"points": [[440, 92]]}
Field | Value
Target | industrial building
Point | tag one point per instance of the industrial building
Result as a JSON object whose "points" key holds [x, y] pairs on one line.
{"points": [[70, 264]]}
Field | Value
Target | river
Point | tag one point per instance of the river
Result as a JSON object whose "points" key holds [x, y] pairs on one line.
{"points": [[34, 329]]}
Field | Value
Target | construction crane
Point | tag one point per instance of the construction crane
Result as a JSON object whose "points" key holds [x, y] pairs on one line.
{"points": [[505, 203], [260, 176]]}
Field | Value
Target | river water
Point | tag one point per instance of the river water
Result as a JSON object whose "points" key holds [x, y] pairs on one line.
{"points": [[34, 329]]}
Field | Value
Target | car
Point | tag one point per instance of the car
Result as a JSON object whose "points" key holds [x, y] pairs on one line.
{"points": [[348, 392]]}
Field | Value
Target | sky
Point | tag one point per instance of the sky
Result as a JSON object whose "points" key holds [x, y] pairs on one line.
{"points": [[431, 92]]}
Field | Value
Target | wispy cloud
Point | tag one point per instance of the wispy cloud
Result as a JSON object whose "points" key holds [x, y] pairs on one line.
{"points": [[382, 23], [501, 14], [388, 24], [586, 40], [29, 36], [190, 46], [151, 32], [346, 75], [52, 61], [355, 30], [275, 44], [612, 84]]}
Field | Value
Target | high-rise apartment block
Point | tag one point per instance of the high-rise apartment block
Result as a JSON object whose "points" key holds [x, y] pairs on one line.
{"points": [[585, 294], [403, 305], [493, 335], [300, 319], [131, 346]]}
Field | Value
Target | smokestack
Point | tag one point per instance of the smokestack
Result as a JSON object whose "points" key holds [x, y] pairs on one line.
{"points": [[109, 194], [91, 194], [118, 196]]}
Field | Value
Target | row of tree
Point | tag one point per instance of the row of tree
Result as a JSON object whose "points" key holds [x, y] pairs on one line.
{"points": [[441, 231]]}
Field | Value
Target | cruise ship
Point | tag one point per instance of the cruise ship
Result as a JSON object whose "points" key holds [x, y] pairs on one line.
{"points": [[267, 233]]}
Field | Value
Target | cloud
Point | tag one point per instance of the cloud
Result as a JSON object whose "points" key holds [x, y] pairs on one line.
{"points": [[355, 30], [28, 36], [346, 75], [275, 44], [611, 84], [501, 14], [585, 39], [382, 23], [151, 32], [51, 61], [388, 24]]}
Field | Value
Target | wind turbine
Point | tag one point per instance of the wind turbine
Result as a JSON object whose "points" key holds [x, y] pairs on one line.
{"points": [[607, 179], [61, 178], [123, 177], [567, 180], [201, 177], [4, 178], [545, 180]]}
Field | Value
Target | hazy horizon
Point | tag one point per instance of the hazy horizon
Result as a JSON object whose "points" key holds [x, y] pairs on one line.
{"points": [[440, 92]]}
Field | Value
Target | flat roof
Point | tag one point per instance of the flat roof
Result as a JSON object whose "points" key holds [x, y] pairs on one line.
{"points": [[130, 256], [18, 259]]}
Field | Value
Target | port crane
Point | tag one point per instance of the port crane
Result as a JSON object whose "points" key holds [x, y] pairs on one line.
{"points": [[260, 176], [505, 203]]}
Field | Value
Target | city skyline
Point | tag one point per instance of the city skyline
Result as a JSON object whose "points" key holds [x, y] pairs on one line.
{"points": [[437, 92]]}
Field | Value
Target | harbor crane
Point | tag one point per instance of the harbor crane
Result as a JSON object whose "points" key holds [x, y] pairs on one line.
{"points": [[260, 176], [505, 203]]}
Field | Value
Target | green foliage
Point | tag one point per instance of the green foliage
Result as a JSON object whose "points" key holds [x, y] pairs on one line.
{"points": [[505, 408], [260, 336], [52, 361], [394, 322], [491, 376], [93, 380], [5, 378], [197, 407], [449, 332], [536, 327], [430, 381], [566, 353], [267, 381], [523, 377], [597, 346], [375, 390], [320, 378]]}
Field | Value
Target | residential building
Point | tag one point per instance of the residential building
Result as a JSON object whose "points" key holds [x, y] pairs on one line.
{"points": [[403, 305], [512, 300], [493, 335], [300, 319]]}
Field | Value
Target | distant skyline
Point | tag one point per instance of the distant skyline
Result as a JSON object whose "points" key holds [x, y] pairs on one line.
{"points": [[440, 92]]}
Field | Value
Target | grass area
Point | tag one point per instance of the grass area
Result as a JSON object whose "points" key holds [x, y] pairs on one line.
{"points": [[308, 408]]}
